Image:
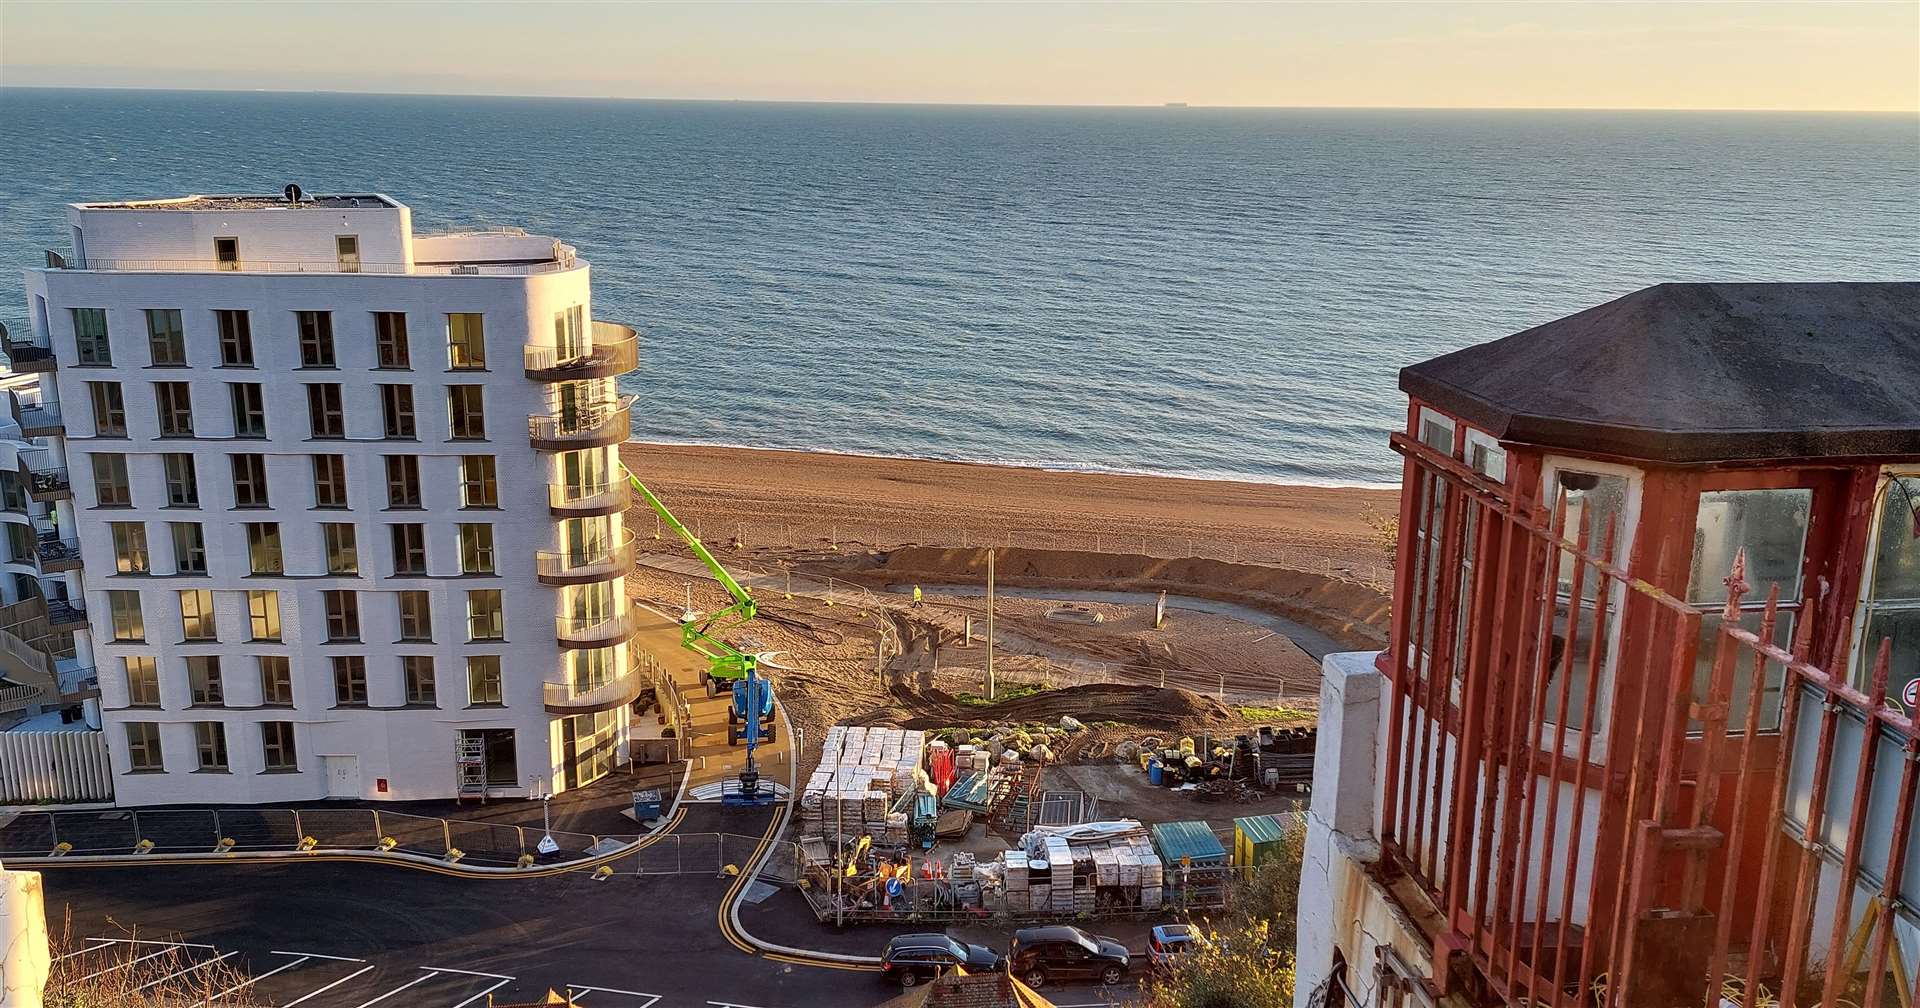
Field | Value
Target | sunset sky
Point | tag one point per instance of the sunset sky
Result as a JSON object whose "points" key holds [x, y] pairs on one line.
{"points": [[1825, 55]]}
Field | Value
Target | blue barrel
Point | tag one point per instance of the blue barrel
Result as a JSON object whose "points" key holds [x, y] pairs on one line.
{"points": [[1153, 771]]}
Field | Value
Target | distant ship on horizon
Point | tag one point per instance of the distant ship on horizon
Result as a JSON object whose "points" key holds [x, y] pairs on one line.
{"points": [[1176, 104]]}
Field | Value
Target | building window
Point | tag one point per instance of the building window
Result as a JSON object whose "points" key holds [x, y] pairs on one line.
{"points": [[416, 615], [263, 614], [1596, 498], [390, 340], [346, 249], [109, 409], [403, 482], [396, 406], [203, 681], [343, 555], [417, 672], [226, 254], [196, 615], [276, 680], [183, 485], [173, 408], [129, 547], [143, 747], [1771, 526], [236, 337], [485, 620], [349, 681], [466, 413], [324, 416], [466, 342], [330, 481], [590, 669], [483, 680], [1889, 609], [476, 549], [110, 486], [409, 549], [250, 481], [263, 549], [211, 738], [479, 484], [568, 323], [343, 615], [316, 338], [276, 745], [584, 474], [249, 409], [166, 338], [143, 681], [189, 548], [91, 345]]}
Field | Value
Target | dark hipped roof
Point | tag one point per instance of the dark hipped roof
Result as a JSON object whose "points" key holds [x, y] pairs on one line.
{"points": [[1701, 372]]}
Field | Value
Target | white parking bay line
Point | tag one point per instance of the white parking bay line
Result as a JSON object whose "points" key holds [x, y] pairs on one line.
{"points": [[417, 980], [100, 943], [136, 941], [449, 969], [196, 967], [651, 999], [254, 980], [120, 966], [323, 990], [317, 955], [497, 985]]}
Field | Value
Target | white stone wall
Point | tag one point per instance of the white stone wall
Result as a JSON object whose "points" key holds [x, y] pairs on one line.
{"points": [[303, 235], [411, 749]]}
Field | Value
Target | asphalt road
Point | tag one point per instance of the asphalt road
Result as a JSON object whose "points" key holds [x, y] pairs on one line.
{"points": [[357, 935]]}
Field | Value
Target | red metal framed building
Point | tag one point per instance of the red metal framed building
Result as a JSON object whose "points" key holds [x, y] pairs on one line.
{"points": [[1645, 728]]}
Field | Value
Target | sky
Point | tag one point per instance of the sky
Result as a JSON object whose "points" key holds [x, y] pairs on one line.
{"points": [[1831, 55]]}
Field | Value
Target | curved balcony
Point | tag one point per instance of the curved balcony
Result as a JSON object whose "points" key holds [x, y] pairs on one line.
{"points": [[573, 632], [41, 421], [594, 425], [615, 351], [562, 698], [48, 485], [28, 354], [602, 563], [564, 503]]}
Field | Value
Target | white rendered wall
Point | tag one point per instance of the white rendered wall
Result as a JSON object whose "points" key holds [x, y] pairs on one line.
{"points": [[303, 235], [412, 749]]}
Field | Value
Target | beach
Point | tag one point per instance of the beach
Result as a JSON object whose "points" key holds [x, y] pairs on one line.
{"points": [[786, 499]]}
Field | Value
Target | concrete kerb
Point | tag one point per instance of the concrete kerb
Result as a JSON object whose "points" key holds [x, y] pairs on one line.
{"points": [[750, 874], [660, 829]]}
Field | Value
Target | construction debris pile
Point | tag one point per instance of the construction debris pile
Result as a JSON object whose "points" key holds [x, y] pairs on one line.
{"points": [[863, 774], [1217, 769]]}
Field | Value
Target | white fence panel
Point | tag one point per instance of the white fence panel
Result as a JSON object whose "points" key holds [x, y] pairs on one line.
{"points": [[55, 766]]}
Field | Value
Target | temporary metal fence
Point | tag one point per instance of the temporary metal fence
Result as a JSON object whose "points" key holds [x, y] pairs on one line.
{"points": [[1372, 571], [841, 900], [1613, 797]]}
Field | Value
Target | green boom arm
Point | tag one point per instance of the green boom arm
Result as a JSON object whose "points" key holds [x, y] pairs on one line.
{"points": [[724, 661]]}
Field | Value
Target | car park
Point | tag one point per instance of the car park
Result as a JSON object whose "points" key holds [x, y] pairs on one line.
{"points": [[914, 959], [1042, 955]]}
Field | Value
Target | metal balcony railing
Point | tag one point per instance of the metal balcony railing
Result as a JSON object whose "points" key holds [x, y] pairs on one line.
{"points": [[593, 563], [591, 425], [563, 698], [66, 614], [58, 554], [29, 353], [594, 632], [40, 419], [563, 259], [48, 484], [565, 500], [615, 351]]}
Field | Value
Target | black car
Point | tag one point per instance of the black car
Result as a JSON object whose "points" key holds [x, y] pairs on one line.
{"points": [[1043, 954], [914, 958]]}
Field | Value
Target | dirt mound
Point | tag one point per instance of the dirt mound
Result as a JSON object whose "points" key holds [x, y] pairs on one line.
{"points": [[1145, 706], [1353, 614]]}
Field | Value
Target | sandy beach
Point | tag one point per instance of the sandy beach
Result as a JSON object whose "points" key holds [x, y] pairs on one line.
{"points": [[801, 499]]}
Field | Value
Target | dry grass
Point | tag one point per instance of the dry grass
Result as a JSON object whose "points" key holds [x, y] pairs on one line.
{"points": [[133, 974]]}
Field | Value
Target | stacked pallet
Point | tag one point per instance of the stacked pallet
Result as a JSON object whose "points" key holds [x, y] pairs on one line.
{"points": [[1013, 874], [862, 771], [1060, 858]]}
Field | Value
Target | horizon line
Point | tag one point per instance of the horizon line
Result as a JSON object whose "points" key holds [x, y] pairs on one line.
{"points": [[1174, 104]]}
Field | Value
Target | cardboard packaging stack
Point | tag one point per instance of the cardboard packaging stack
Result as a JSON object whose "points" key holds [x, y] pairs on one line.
{"points": [[1122, 862]]}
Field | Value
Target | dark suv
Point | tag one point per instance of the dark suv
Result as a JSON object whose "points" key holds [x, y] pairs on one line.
{"points": [[1044, 954], [914, 958]]}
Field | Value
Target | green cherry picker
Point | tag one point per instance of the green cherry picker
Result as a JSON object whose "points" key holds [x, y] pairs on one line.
{"points": [[750, 714]]}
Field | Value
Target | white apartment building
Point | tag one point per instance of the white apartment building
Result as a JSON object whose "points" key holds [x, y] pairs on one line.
{"points": [[319, 555]]}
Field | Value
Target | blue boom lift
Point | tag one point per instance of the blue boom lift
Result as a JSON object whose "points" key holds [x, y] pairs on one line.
{"points": [[750, 714]]}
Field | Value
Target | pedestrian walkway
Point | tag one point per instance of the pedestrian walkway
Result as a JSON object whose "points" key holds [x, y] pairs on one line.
{"points": [[712, 759]]}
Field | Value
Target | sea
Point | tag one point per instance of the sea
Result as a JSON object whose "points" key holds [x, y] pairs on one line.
{"points": [[1221, 293]]}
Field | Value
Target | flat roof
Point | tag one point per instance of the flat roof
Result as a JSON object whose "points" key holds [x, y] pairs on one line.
{"points": [[241, 201], [1686, 373]]}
